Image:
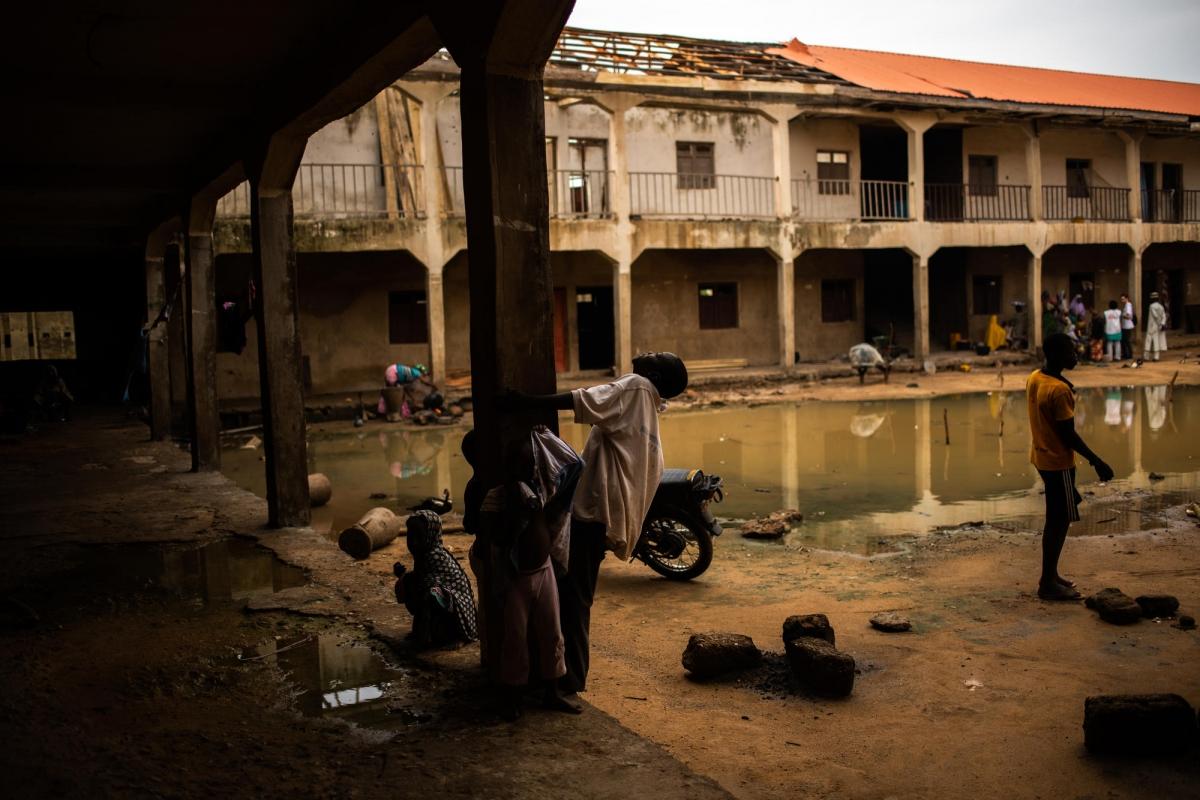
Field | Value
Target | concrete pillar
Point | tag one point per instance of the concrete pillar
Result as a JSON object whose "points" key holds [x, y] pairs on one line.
{"points": [[435, 309], [920, 276], [915, 126], [1033, 278], [271, 174], [781, 156], [501, 56], [1133, 173], [177, 352], [623, 315], [785, 297], [1033, 168], [204, 421], [1135, 294], [157, 353]]}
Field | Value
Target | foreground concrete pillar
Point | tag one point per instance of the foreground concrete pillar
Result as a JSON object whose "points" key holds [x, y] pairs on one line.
{"points": [[435, 309], [204, 421], [157, 353], [1034, 289], [1133, 173], [1135, 294], [785, 298], [920, 276], [623, 315], [271, 175], [501, 51]]}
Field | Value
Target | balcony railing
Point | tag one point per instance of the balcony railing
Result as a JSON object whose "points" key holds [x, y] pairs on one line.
{"points": [[578, 193], [955, 202], [849, 200], [345, 190], [700, 195], [1099, 203], [1171, 205]]}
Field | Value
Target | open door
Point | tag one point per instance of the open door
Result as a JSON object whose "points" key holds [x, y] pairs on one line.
{"points": [[594, 315]]}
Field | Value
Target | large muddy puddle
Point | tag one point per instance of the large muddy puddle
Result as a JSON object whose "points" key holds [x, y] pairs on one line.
{"points": [[865, 474]]}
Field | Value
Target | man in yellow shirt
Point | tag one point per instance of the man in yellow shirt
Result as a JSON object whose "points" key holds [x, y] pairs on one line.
{"points": [[1051, 399]]}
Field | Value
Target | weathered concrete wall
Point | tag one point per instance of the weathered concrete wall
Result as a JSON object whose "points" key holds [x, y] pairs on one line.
{"points": [[343, 301], [1181, 256], [353, 139], [573, 271], [741, 141], [817, 340], [1105, 149], [666, 304], [1174, 150], [805, 138], [456, 291], [1007, 143], [1011, 266]]}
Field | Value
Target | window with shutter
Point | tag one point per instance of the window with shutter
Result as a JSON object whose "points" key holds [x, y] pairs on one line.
{"points": [[718, 305], [982, 174], [694, 165], [833, 172]]}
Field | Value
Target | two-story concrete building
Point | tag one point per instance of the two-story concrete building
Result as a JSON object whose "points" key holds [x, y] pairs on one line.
{"points": [[745, 204]]}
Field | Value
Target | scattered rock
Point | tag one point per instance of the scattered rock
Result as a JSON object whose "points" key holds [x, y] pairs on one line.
{"points": [[890, 622], [1115, 606], [1185, 622], [711, 654], [1157, 476], [815, 626], [1158, 605], [1138, 724], [774, 525], [821, 667]]}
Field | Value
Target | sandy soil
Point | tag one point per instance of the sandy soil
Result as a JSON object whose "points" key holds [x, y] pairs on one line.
{"points": [[984, 698]]}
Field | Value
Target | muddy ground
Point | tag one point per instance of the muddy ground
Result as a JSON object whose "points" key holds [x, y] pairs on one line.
{"points": [[120, 692]]}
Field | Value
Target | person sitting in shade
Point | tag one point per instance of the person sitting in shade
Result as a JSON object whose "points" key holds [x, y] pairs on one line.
{"points": [[436, 591], [863, 356], [1156, 329]]}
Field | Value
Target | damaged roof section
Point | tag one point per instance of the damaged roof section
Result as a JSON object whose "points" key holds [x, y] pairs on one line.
{"points": [[647, 54]]}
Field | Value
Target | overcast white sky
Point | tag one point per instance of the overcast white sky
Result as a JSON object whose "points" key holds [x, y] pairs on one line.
{"points": [[1143, 38]]}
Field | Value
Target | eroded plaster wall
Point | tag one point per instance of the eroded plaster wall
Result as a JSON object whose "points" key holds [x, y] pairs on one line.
{"points": [[666, 304], [817, 340]]}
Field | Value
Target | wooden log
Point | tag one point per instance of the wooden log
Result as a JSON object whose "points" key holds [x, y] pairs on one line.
{"points": [[320, 489], [377, 528]]}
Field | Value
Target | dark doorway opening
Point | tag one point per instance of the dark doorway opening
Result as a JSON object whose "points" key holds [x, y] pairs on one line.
{"points": [[943, 148], [948, 297], [1148, 183], [1169, 284], [888, 298], [1084, 285], [1172, 184], [884, 154], [594, 320], [560, 329]]}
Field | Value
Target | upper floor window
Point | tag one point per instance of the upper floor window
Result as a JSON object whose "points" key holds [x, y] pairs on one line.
{"points": [[718, 305], [407, 320], [1079, 172], [833, 172], [694, 165], [982, 173]]}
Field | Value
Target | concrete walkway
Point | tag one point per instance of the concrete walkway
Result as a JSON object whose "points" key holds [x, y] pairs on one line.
{"points": [[96, 483]]}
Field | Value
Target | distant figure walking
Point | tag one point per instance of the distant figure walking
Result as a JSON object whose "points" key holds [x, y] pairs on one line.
{"points": [[863, 356], [1051, 400], [1156, 328], [1112, 332]]}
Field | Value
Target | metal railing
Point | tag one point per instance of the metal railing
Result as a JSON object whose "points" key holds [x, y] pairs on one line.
{"points": [[345, 190], [580, 193], [828, 200], [677, 194], [964, 202], [1171, 205], [1093, 203]]}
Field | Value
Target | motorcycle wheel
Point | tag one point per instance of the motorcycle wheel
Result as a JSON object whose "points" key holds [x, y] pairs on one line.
{"points": [[694, 557]]}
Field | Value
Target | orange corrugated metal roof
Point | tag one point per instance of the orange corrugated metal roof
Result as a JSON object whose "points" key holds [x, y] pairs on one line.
{"points": [[944, 77]]}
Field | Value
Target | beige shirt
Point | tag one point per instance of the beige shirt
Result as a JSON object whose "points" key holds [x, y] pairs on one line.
{"points": [[623, 460]]}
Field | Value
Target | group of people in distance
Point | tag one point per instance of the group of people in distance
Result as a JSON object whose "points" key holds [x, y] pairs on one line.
{"points": [[541, 533], [1105, 335]]}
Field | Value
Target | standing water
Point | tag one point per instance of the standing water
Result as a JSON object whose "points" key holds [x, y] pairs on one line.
{"points": [[863, 473]]}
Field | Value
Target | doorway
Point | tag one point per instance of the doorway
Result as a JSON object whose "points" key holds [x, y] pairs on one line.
{"points": [[587, 176], [888, 298], [594, 323], [1148, 194], [948, 297], [1169, 284], [1172, 184], [884, 154], [943, 150]]}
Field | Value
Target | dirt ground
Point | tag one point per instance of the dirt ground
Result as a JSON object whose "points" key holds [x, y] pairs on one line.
{"points": [[118, 694]]}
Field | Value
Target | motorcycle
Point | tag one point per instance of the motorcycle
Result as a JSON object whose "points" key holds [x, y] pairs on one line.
{"points": [[677, 534]]}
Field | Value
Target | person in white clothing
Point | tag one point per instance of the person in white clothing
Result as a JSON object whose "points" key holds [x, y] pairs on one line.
{"points": [[1156, 328], [623, 464], [1112, 332], [1128, 324]]}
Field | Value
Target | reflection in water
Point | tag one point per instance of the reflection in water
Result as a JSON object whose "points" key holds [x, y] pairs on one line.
{"points": [[861, 472], [335, 678], [221, 572]]}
